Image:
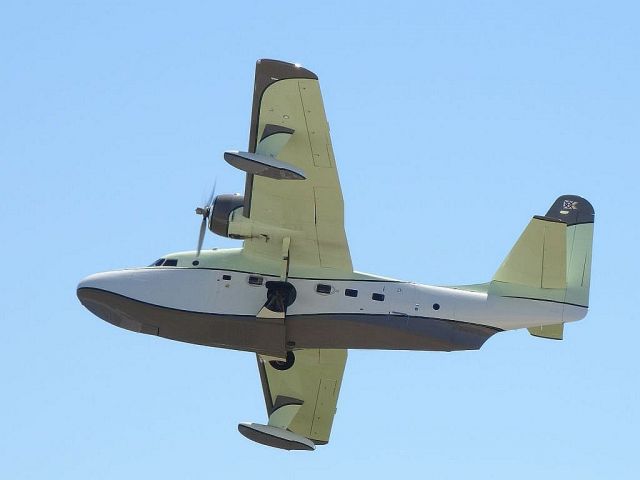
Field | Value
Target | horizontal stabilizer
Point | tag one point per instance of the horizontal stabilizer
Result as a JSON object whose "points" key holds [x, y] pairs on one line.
{"points": [[263, 165], [275, 437], [553, 332]]}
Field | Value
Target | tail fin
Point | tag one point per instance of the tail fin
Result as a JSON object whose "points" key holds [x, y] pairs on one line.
{"points": [[551, 260]]}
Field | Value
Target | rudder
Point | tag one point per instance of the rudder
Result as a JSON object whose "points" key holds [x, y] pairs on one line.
{"points": [[579, 215]]}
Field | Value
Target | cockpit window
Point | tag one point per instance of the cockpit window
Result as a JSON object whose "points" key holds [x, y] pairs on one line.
{"points": [[165, 262]]}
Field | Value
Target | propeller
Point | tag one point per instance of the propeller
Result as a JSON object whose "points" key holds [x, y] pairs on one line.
{"points": [[206, 212]]}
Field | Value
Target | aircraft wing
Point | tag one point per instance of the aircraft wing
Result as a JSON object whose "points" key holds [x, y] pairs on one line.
{"points": [[300, 400], [289, 126]]}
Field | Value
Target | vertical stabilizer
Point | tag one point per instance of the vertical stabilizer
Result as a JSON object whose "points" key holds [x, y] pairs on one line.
{"points": [[551, 260]]}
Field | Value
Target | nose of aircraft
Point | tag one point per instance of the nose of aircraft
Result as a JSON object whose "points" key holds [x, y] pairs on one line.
{"points": [[119, 282], [97, 280], [101, 294], [131, 298], [93, 293]]}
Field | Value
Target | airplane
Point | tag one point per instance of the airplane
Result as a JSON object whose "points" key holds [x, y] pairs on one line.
{"points": [[290, 294]]}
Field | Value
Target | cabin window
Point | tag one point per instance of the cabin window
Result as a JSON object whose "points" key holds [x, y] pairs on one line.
{"points": [[226, 277], [157, 263], [172, 262], [349, 292], [255, 280], [436, 306], [323, 288], [379, 297]]}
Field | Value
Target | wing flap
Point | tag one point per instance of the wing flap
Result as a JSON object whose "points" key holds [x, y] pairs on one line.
{"points": [[325, 408], [329, 222]]}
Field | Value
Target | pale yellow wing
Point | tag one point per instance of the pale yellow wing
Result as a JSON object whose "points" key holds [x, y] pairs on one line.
{"points": [[309, 211], [312, 382]]}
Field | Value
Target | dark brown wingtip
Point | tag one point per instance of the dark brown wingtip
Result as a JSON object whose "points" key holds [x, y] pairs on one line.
{"points": [[279, 70]]}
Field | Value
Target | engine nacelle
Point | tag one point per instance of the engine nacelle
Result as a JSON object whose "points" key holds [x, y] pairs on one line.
{"points": [[225, 208]]}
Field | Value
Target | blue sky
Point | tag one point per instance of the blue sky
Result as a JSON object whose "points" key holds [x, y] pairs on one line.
{"points": [[452, 123]]}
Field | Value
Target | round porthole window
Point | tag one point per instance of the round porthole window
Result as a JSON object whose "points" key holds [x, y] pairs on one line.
{"points": [[195, 263], [436, 306]]}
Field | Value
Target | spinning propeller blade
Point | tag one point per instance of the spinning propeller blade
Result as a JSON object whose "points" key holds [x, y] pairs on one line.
{"points": [[206, 212]]}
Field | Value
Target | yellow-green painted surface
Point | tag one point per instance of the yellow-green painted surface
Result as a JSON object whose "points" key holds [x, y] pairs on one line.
{"points": [[550, 261], [553, 332], [538, 259], [311, 211], [283, 416], [579, 246], [315, 379]]}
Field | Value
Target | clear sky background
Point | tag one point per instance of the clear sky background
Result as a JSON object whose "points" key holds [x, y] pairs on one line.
{"points": [[452, 123]]}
